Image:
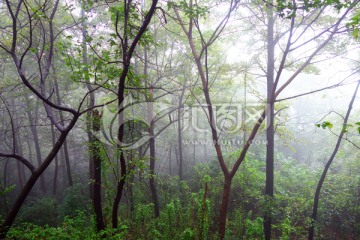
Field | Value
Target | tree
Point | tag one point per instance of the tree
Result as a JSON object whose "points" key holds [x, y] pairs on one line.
{"points": [[31, 44], [329, 162], [128, 41], [295, 25]]}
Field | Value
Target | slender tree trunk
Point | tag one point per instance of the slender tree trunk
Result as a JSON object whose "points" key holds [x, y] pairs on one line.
{"points": [[67, 162], [170, 159], [327, 166], [123, 167], [119, 190], [131, 181], [62, 167], [28, 143], [56, 170], [203, 211], [20, 166], [152, 175], [224, 206], [95, 150], [269, 184], [152, 145], [65, 145], [181, 159], [5, 183], [20, 175], [93, 125], [128, 50], [33, 128]]}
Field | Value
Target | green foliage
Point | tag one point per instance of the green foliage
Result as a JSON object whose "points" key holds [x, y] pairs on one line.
{"points": [[49, 211], [353, 25], [254, 228], [72, 228], [41, 212], [194, 11], [325, 124], [73, 201], [287, 9], [345, 127], [6, 190], [119, 14], [189, 210]]}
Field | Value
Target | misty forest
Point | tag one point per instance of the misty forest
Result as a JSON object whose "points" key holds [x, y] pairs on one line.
{"points": [[179, 119]]}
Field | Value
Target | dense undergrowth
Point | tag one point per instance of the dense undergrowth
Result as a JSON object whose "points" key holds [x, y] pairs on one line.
{"points": [[189, 208]]}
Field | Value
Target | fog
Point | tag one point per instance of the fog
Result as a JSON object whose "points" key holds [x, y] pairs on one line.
{"points": [[179, 120]]}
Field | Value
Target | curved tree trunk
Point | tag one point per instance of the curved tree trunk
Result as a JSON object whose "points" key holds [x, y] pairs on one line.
{"points": [[119, 190], [10, 217], [327, 166], [128, 51]]}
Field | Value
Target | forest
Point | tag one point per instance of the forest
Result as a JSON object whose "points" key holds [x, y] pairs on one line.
{"points": [[179, 119]]}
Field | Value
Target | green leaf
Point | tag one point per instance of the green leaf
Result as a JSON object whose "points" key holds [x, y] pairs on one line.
{"points": [[33, 50], [6, 190], [326, 124], [355, 33], [345, 129]]}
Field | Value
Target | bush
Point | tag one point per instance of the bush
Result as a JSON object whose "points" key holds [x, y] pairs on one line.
{"points": [[41, 212], [74, 200]]}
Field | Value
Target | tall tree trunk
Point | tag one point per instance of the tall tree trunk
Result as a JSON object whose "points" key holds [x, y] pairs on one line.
{"points": [[327, 166], [95, 149], [56, 170], [29, 147], [179, 128], [224, 206], [152, 145], [21, 178], [170, 159], [67, 161], [120, 136], [65, 145], [128, 51], [132, 168], [93, 125], [119, 190], [33, 128], [152, 175], [269, 184], [20, 166], [5, 183]]}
